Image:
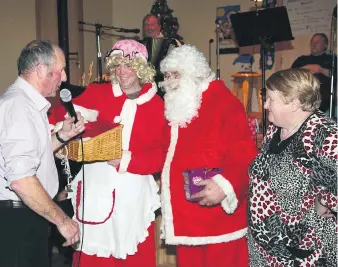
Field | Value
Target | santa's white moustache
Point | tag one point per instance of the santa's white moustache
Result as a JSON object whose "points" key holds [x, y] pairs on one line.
{"points": [[182, 102]]}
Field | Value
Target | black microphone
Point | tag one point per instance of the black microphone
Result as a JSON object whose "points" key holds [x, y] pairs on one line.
{"points": [[130, 30], [211, 41], [66, 98]]}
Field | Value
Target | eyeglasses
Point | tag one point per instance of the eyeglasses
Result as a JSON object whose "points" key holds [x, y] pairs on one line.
{"points": [[172, 75]]}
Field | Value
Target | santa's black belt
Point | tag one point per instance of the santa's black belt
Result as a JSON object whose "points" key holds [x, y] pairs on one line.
{"points": [[12, 204]]}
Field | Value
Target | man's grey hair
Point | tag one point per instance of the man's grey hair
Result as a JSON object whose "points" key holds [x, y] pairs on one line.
{"points": [[35, 53]]}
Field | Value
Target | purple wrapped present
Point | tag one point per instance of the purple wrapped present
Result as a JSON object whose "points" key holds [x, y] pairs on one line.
{"points": [[193, 176]]}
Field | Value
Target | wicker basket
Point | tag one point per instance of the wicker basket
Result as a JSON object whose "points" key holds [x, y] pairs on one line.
{"points": [[103, 147]]}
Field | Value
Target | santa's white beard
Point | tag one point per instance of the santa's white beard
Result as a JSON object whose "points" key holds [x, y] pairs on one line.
{"points": [[183, 102]]}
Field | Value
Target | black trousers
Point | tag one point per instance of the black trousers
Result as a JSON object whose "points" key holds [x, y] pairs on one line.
{"points": [[24, 238], [56, 239]]}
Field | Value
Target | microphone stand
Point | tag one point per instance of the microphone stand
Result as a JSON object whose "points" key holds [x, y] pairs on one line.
{"points": [[98, 28], [218, 72], [210, 42], [333, 67], [98, 32], [263, 50]]}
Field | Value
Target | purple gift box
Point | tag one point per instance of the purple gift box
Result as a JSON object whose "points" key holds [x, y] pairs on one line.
{"points": [[193, 176]]}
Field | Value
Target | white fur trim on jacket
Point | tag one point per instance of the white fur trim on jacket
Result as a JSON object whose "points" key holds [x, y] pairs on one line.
{"points": [[125, 160], [204, 85], [230, 203], [116, 89], [88, 114], [148, 95], [167, 213], [127, 115], [205, 240], [117, 119], [142, 98]]}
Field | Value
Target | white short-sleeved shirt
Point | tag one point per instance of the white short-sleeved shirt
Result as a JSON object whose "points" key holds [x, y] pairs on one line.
{"points": [[25, 139]]}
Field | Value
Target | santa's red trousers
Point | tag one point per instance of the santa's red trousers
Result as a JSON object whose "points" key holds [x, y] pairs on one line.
{"points": [[144, 257], [230, 254]]}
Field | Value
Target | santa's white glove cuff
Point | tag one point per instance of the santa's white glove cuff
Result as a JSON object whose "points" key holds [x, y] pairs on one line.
{"points": [[125, 160], [88, 114], [230, 202]]}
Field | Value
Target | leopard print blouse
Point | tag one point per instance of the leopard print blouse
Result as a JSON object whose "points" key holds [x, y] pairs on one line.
{"points": [[285, 179]]}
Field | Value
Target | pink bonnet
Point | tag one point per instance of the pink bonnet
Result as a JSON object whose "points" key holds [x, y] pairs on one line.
{"points": [[129, 48]]}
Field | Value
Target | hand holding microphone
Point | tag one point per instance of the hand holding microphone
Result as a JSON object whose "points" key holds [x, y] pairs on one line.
{"points": [[66, 98], [74, 125]]}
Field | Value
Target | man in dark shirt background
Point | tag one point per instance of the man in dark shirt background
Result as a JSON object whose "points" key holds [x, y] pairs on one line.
{"points": [[159, 42], [320, 64]]}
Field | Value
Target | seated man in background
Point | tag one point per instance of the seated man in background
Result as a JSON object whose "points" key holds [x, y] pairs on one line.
{"points": [[319, 62]]}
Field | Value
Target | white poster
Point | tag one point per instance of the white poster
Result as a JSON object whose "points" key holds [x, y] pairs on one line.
{"points": [[310, 16]]}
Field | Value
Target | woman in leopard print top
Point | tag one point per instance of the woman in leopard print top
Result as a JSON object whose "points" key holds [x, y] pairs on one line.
{"points": [[293, 181]]}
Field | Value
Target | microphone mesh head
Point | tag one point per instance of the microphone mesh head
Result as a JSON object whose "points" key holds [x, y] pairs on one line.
{"points": [[65, 95]]}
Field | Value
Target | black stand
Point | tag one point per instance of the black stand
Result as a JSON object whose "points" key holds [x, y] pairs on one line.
{"points": [[98, 32], [264, 44], [98, 28], [62, 13], [333, 73], [262, 27], [210, 42], [218, 71]]}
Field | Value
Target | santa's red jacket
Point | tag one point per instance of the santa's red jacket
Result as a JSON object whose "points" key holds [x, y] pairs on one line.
{"points": [[218, 137]]}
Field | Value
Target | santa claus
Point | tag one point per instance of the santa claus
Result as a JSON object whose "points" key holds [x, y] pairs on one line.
{"points": [[115, 201], [208, 130]]}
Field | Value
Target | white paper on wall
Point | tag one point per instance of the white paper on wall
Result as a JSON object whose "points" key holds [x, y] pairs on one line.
{"points": [[310, 16]]}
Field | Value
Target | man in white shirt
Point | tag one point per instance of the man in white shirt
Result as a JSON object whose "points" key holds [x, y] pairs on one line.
{"points": [[28, 176]]}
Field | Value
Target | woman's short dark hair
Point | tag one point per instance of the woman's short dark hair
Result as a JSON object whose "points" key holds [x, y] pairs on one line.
{"points": [[298, 84]]}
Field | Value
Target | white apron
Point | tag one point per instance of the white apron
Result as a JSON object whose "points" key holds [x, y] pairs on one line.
{"points": [[118, 209]]}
